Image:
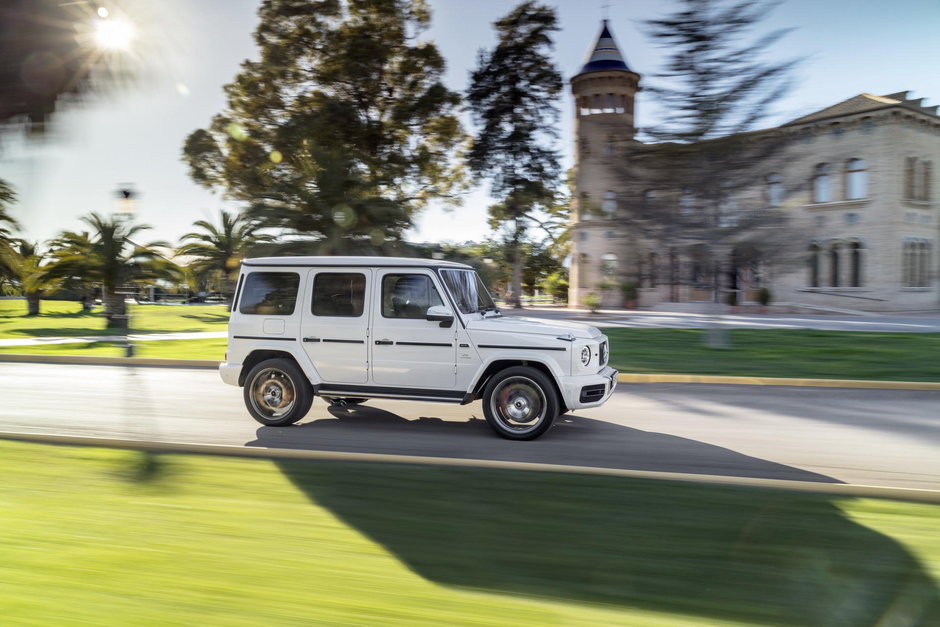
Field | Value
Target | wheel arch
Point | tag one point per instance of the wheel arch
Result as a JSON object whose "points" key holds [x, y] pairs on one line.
{"points": [[497, 365], [256, 356]]}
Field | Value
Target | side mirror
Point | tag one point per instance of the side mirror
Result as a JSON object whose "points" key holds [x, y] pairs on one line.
{"points": [[439, 313]]}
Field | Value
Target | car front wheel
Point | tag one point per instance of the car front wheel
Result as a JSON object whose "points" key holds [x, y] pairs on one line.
{"points": [[277, 393], [520, 403]]}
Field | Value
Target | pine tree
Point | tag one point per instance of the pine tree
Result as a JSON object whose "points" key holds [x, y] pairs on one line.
{"points": [[513, 96]]}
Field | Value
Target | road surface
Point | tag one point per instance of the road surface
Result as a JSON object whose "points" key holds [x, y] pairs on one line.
{"points": [[868, 437]]}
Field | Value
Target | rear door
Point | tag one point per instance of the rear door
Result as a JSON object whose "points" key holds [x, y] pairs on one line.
{"points": [[407, 349], [335, 327]]}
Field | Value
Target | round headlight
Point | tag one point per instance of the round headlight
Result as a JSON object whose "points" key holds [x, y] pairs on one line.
{"points": [[586, 355]]}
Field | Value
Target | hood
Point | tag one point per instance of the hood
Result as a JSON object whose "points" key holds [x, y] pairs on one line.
{"points": [[533, 326]]}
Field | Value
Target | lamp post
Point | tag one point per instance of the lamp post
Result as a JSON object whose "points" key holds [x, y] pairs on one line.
{"points": [[125, 209]]}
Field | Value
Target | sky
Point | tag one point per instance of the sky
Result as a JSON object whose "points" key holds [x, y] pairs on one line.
{"points": [[191, 48]]}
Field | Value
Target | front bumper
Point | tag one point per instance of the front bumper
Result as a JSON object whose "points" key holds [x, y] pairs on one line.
{"points": [[589, 390]]}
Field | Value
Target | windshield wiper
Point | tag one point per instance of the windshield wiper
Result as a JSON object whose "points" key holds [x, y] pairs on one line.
{"points": [[484, 310]]}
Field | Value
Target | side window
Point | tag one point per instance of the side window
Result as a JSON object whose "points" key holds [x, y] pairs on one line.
{"points": [[269, 293], [408, 296], [339, 294]]}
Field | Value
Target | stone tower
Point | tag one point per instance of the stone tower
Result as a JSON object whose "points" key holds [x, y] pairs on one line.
{"points": [[604, 92]]}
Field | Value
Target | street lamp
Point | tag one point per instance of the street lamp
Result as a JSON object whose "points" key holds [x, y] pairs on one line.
{"points": [[125, 208]]}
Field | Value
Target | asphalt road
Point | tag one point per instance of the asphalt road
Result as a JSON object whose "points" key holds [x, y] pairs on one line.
{"points": [[867, 437]]}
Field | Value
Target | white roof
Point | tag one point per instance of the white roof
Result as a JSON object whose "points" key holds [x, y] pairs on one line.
{"points": [[382, 262]]}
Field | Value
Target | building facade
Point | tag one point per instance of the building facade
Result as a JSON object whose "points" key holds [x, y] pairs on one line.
{"points": [[856, 183]]}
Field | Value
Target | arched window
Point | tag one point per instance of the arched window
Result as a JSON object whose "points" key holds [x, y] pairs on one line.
{"points": [[652, 269], [821, 192], [609, 204], [609, 264], [856, 263], [834, 251], [773, 190], [584, 264], [910, 178], [856, 179], [727, 207], [649, 200], [907, 263], [814, 265], [925, 183], [609, 146], [585, 206], [686, 203]]}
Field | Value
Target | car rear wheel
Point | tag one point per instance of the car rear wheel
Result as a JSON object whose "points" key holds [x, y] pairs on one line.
{"points": [[520, 403], [277, 393]]}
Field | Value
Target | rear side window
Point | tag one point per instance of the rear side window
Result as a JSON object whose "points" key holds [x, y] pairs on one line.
{"points": [[339, 294], [269, 293], [408, 296]]}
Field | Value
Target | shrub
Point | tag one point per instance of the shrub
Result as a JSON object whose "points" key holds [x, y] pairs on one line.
{"points": [[593, 302]]}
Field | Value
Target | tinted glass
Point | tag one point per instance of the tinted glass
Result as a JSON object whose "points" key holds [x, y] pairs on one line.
{"points": [[269, 293], [339, 294], [408, 296]]}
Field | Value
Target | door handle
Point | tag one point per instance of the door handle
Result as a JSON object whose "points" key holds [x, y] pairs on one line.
{"points": [[383, 342], [311, 339]]}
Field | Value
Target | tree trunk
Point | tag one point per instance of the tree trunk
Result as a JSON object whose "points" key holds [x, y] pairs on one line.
{"points": [[516, 288], [32, 304], [115, 309], [716, 335]]}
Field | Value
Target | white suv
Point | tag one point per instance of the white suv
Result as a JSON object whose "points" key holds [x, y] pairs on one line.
{"points": [[349, 329]]}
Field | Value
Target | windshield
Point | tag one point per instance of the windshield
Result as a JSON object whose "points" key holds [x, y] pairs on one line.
{"points": [[468, 291]]}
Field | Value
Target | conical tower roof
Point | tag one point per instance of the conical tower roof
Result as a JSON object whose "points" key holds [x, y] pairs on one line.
{"points": [[605, 55]]}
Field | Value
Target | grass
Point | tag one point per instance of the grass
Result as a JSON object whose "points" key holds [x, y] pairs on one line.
{"points": [[780, 353], [64, 318], [133, 538], [767, 353]]}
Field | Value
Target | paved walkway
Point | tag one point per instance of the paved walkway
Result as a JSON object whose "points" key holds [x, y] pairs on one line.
{"points": [[134, 337]]}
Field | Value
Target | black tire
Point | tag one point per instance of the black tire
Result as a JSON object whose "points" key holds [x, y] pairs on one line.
{"points": [[343, 401], [520, 403], [277, 393]]}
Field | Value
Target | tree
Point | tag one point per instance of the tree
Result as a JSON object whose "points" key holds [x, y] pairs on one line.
{"points": [[513, 98], [24, 264], [341, 132], [48, 53], [218, 250], [696, 187], [110, 257]]}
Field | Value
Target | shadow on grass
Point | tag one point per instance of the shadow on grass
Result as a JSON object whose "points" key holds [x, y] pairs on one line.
{"points": [[720, 553], [763, 557], [208, 318]]}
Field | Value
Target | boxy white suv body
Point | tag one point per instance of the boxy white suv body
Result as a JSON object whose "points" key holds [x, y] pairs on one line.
{"points": [[349, 329]]}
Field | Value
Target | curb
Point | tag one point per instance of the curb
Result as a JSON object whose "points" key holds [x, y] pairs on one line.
{"points": [[818, 383], [621, 378], [827, 489]]}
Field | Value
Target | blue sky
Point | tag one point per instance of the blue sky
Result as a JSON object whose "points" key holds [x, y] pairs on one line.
{"points": [[191, 48]]}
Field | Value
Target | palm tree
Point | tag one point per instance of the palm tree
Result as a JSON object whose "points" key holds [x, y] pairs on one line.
{"points": [[24, 264], [218, 250], [110, 257]]}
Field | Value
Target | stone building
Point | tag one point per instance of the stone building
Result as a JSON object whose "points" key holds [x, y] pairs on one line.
{"points": [[856, 182]]}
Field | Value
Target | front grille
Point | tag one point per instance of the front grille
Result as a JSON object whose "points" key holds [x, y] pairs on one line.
{"points": [[592, 393]]}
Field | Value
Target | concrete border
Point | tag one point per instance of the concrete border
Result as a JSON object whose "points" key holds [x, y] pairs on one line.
{"points": [[819, 383], [828, 489], [623, 377]]}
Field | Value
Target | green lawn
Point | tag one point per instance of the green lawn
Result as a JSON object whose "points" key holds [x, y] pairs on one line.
{"points": [[65, 318], [768, 353], [93, 536], [780, 353]]}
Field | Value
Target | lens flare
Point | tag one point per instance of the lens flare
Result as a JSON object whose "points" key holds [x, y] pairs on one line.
{"points": [[114, 34]]}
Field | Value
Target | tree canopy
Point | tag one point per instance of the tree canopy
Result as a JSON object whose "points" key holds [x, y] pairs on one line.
{"points": [[342, 131]]}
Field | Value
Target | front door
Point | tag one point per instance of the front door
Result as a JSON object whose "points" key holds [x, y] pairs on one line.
{"points": [[407, 349], [335, 323]]}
